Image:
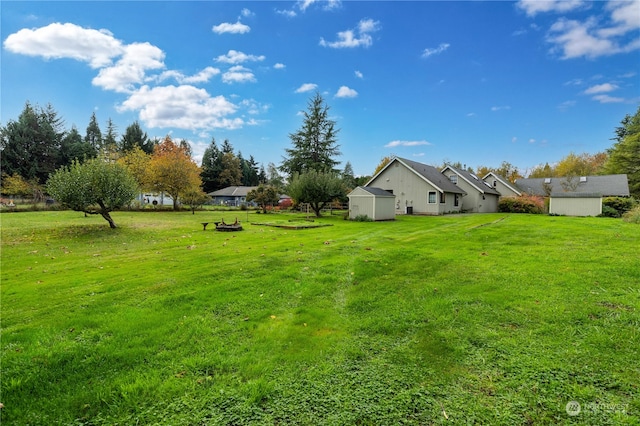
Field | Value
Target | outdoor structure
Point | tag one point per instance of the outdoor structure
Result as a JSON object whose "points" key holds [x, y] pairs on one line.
{"points": [[418, 188], [606, 185], [231, 195], [502, 185], [575, 203], [480, 197], [375, 203]]}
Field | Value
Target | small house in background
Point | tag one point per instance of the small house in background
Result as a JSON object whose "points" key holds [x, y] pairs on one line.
{"points": [[233, 196], [575, 203], [502, 185], [375, 203]]}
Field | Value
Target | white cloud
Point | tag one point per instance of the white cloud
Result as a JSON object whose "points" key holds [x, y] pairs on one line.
{"points": [[396, 143], [226, 27], [436, 50], [254, 107], [598, 36], [359, 74], [238, 74], [287, 13], [245, 13], [184, 107], [236, 57], [533, 7], [606, 99], [303, 5], [56, 41], [131, 68], [566, 105], [349, 38], [279, 66], [201, 77], [601, 88], [307, 87], [500, 108], [346, 92]]}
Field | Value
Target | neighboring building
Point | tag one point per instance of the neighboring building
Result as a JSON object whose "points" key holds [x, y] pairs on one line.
{"points": [[606, 185], [502, 185], [480, 196], [155, 199], [575, 203], [418, 188], [231, 196], [374, 203]]}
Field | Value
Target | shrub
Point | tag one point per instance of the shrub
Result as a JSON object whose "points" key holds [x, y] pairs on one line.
{"points": [[521, 204], [362, 218], [620, 204], [609, 212], [632, 216]]}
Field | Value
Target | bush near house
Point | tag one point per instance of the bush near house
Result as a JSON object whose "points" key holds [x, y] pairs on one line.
{"points": [[521, 204], [620, 205]]}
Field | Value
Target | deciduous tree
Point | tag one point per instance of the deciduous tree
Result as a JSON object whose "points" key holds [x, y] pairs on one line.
{"points": [[624, 155], [264, 195], [171, 170], [93, 187], [316, 188]]}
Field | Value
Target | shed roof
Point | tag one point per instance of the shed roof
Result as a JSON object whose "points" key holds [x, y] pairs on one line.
{"points": [[378, 192], [607, 185], [576, 195]]}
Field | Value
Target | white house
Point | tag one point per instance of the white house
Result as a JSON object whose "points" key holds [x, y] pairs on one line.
{"points": [[418, 188], [502, 185], [374, 203]]}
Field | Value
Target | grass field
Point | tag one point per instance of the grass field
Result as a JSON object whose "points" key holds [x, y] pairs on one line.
{"points": [[461, 319]]}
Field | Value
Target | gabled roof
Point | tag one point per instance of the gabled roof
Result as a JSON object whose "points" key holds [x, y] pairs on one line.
{"points": [[503, 181], [607, 185], [379, 192], [473, 180], [232, 191], [427, 173]]}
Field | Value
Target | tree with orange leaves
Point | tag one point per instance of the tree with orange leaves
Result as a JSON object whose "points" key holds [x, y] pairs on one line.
{"points": [[173, 171]]}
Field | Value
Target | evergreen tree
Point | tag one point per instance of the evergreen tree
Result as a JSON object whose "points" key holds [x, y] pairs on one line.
{"points": [[75, 148], [134, 136], [94, 135], [348, 179], [211, 167], [624, 155], [314, 144], [31, 144]]}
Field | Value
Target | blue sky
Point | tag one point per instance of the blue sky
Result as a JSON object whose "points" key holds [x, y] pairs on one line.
{"points": [[477, 82]]}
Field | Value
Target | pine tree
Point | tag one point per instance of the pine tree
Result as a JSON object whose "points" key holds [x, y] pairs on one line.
{"points": [[314, 144]]}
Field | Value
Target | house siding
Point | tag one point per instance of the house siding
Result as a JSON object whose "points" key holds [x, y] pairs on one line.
{"points": [[575, 206], [503, 189], [473, 201], [412, 191]]}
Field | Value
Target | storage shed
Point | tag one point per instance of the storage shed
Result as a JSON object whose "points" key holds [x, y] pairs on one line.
{"points": [[375, 203], [575, 203]]}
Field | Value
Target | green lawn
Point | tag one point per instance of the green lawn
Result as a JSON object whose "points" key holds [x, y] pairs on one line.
{"points": [[461, 319]]}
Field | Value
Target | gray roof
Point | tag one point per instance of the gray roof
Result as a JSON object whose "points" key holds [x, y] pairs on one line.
{"points": [[607, 185], [432, 174], [576, 195], [475, 181], [232, 191], [377, 191]]}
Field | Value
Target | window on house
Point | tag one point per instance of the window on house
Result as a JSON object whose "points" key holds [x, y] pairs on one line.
{"points": [[442, 198], [432, 197], [456, 200], [454, 179]]}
